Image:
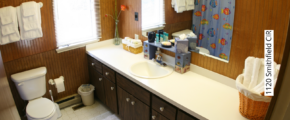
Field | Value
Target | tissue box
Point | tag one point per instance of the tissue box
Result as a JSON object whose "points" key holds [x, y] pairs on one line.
{"points": [[182, 62], [181, 46], [191, 43]]}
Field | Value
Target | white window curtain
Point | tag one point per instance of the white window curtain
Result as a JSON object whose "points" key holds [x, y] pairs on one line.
{"points": [[76, 21], [153, 14]]}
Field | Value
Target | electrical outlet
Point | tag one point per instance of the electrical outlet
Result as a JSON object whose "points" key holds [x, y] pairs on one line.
{"points": [[136, 16], [136, 37]]}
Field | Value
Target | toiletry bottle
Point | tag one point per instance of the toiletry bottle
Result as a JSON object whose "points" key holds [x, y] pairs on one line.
{"points": [[161, 38], [157, 38]]}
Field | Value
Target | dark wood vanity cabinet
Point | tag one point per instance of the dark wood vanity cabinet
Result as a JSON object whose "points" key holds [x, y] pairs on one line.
{"points": [[131, 108], [97, 80], [127, 99], [111, 95], [184, 116], [157, 116]]}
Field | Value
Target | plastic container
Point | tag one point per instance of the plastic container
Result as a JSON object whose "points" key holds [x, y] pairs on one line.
{"points": [[87, 93]]}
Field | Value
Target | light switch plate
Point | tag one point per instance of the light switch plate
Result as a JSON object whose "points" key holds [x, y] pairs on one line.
{"points": [[136, 37]]}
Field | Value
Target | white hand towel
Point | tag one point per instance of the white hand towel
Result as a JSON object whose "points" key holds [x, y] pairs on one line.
{"points": [[249, 62], [9, 26], [189, 4], [29, 19], [180, 6], [136, 41], [173, 3], [255, 73]]}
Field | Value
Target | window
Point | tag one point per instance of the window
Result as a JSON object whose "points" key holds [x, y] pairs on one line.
{"points": [[153, 16], [76, 22]]}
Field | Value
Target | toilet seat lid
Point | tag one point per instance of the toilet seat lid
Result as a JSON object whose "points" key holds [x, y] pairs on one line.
{"points": [[40, 108]]}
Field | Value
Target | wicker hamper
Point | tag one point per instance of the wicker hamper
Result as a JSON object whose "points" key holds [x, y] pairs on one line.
{"points": [[249, 108], [254, 110]]}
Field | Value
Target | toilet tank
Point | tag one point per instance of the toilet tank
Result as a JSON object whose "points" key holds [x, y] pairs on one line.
{"points": [[31, 83]]}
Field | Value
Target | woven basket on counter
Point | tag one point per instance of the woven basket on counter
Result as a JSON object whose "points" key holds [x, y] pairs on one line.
{"points": [[133, 50], [254, 110], [252, 105]]}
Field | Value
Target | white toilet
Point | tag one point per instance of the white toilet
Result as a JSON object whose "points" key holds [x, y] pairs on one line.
{"points": [[31, 86]]}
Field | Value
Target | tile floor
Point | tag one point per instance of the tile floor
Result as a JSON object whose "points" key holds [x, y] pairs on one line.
{"points": [[97, 111]]}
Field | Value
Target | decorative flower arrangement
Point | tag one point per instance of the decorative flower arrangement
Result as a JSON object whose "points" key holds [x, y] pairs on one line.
{"points": [[117, 39]]}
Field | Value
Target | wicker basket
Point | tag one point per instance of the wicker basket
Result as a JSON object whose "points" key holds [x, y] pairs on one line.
{"points": [[133, 50], [254, 110]]}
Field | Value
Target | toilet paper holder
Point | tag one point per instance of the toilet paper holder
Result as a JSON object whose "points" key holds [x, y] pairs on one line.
{"points": [[51, 81]]}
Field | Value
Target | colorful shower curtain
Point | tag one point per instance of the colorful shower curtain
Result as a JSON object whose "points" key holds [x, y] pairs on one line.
{"points": [[213, 22]]}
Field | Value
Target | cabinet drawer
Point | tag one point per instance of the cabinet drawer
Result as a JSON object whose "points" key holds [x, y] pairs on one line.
{"points": [[92, 62], [184, 116], [133, 89], [109, 73], [157, 116], [163, 107]]}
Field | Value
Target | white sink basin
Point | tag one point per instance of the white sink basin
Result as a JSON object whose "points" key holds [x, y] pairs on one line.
{"points": [[149, 69]]}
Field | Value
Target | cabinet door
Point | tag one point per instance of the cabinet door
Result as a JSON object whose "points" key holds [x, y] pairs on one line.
{"points": [[140, 110], [184, 116], [97, 80], [124, 104], [111, 96], [156, 116]]}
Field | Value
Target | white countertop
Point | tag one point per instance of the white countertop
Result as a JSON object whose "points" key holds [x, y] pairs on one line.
{"points": [[193, 93]]}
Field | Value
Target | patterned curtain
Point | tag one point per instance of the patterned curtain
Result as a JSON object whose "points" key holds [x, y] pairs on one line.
{"points": [[213, 22]]}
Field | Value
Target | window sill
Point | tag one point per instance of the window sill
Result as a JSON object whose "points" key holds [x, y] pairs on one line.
{"points": [[74, 46]]}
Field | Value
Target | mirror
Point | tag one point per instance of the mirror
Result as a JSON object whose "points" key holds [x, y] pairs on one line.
{"points": [[211, 21]]}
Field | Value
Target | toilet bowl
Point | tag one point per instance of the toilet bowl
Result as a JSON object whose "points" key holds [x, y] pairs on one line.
{"points": [[41, 109]]}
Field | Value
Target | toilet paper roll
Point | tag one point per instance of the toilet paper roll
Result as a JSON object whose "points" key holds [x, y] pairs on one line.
{"points": [[59, 84]]}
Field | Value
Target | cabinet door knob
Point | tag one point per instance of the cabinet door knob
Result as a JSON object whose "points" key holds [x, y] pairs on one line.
{"points": [[100, 79], [93, 64], [133, 103], [107, 73], [112, 88], [153, 117], [161, 109], [127, 99]]}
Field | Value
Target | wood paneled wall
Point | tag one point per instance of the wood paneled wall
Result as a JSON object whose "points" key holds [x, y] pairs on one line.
{"points": [[71, 64], [25, 55], [22, 49], [129, 27], [251, 19]]}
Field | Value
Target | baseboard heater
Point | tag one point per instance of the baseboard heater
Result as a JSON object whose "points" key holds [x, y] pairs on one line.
{"points": [[69, 100]]}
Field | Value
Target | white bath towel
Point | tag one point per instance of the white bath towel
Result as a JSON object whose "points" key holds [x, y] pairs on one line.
{"points": [[9, 27], [249, 63], [259, 88], [180, 6], [29, 19], [255, 73], [173, 3], [189, 4]]}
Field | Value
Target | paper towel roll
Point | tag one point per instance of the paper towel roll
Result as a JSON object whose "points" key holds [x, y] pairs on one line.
{"points": [[59, 84]]}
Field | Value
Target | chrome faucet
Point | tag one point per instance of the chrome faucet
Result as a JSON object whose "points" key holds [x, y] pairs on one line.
{"points": [[159, 61]]}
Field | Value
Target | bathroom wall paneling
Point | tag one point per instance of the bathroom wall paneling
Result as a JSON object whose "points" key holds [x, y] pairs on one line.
{"points": [[26, 48], [71, 64], [251, 19], [129, 27]]}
